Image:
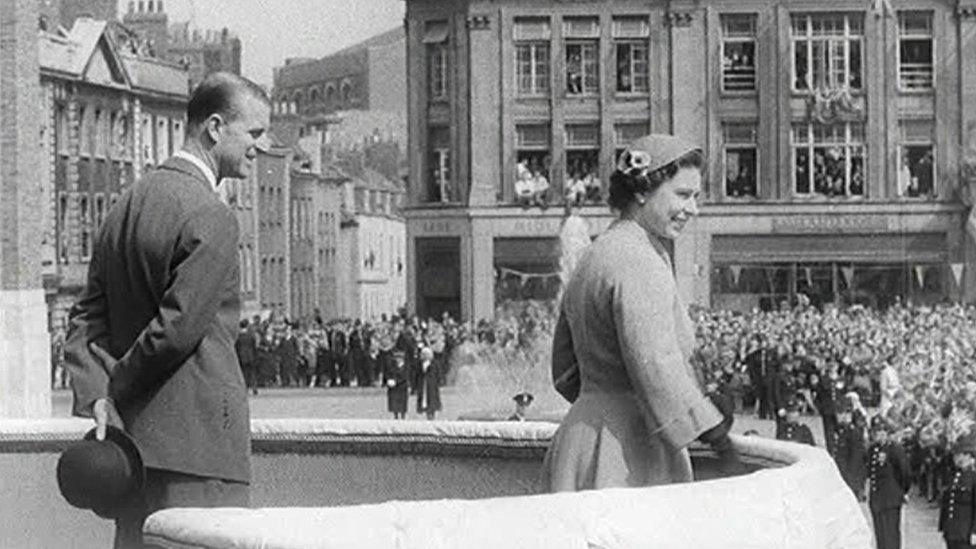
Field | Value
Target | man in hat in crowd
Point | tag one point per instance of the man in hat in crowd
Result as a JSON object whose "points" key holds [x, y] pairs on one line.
{"points": [[957, 514], [791, 429], [396, 377], [151, 342], [522, 402], [889, 482], [847, 448]]}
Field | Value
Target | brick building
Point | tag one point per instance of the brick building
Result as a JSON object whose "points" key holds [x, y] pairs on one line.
{"points": [[109, 114], [836, 175], [201, 51]]}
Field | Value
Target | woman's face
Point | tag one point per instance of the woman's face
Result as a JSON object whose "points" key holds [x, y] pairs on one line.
{"points": [[671, 205]]}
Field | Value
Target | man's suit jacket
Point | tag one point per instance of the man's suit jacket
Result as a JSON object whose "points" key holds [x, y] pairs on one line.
{"points": [[162, 297]]}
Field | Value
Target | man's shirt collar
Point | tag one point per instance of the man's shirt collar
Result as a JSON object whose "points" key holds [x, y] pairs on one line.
{"points": [[195, 160]]}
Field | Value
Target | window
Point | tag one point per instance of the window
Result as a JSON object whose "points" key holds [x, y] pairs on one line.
{"points": [[99, 210], [63, 237], [121, 132], [345, 91], [582, 183], [827, 51], [532, 157], [84, 218], [330, 92], [738, 53], [625, 133], [740, 162], [439, 164], [435, 40], [915, 50], [147, 140], [630, 42], [916, 165], [85, 136], [582, 55], [532, 72], [162, 139], [177, 125], [61, 129], [98, 132], [828, 159]]}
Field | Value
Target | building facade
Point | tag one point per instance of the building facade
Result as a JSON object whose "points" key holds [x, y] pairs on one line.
{"points": [[373, 248], [109, 115], [241, 196], [837, 175], [273, 170], [200, 51]]}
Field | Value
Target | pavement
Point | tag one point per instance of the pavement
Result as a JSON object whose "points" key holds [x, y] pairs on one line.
{"points": [[919, 518]]}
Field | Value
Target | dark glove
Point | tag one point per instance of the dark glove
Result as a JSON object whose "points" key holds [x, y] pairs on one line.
{"points": [[729, 464]]}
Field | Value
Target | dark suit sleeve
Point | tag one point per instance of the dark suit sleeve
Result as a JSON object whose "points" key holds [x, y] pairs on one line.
{"points": [[563, 356], [900, 464], [88, 323], [205, 256]]}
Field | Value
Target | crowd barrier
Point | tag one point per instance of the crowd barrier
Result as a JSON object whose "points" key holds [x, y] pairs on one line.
{"points": [[361, 484]]}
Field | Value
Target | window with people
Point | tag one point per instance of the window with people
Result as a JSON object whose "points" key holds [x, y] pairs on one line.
{"points": [[828, 160], [915, 50], [582, 47], [740, 160], [827, 51], [532, 165], [916, 159], [631, 51], [738, 52], [532, 70], [582, 185]]}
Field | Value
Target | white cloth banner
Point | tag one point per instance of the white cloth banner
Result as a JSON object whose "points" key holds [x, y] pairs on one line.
{"points": [[809, 274], [957, 269], [848, 273], [736, 272], [971, 223], [920, 275]]}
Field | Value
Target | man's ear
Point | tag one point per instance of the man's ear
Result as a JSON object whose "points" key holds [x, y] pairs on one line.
{"points": [[214, 126]]}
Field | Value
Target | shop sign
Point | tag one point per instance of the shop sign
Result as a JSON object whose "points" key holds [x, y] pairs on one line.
{"points": [[436, 226], [830, 224]]}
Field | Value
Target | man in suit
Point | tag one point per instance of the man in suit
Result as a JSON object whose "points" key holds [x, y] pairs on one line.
{"points": [[151, 342], [246, 347], [889, 477], [847, 449], [791, 429]]}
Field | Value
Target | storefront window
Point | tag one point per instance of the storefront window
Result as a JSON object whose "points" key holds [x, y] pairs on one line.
{"points": [[526, 270]]}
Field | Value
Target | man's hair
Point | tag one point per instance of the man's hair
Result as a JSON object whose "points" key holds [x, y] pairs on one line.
{"points": [[220, 93]]}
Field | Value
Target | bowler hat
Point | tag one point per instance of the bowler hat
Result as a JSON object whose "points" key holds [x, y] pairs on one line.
{"points": [[102, 475], [654, 151]]}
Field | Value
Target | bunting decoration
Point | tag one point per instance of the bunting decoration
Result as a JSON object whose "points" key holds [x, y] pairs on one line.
{"points": [[957, 269], [808, 272], [920, 275], [736, 272], [848, 273], [523, 277]]}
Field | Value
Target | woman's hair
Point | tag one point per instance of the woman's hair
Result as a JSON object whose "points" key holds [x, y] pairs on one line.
{"points": [[624, 185]]}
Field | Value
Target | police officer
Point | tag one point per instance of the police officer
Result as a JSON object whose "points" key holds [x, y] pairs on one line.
{"points": [[791, 429], [889, 478], [522, 402], [847, 449], [957, 515]]}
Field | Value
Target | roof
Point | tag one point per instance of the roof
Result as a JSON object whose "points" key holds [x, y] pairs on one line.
{"points": [[344, 62], [90, 52], [372, 180]]}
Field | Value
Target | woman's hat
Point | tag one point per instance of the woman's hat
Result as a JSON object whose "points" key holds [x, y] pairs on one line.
{"points": [[102, 475], [654, 151], [523, 399]]}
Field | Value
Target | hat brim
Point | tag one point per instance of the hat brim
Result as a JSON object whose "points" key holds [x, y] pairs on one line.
{"points": [[131, 449]]}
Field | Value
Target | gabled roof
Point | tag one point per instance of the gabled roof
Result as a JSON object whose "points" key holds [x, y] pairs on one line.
{"points": [[89, 52]]}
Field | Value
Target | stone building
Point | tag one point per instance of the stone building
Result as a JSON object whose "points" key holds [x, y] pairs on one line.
{"points": [[64, 12], [108, 115], [371, 267], [201, 51], [836, 175], [25, 189], [241, 196], [273, 187]]}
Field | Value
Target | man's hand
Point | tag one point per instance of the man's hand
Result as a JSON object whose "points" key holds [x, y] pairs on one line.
{"points": [[108, 361], [105, 414]]}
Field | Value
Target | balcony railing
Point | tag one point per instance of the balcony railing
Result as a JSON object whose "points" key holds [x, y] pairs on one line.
{"points": [[915, 76], [739, 79]]}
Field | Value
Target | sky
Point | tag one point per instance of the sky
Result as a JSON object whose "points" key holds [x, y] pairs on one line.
{"points": [[273, 30]]}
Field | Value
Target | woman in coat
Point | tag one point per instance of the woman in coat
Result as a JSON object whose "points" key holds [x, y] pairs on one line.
{"points": [[623, 325], [428, 384], [396, 379]]}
